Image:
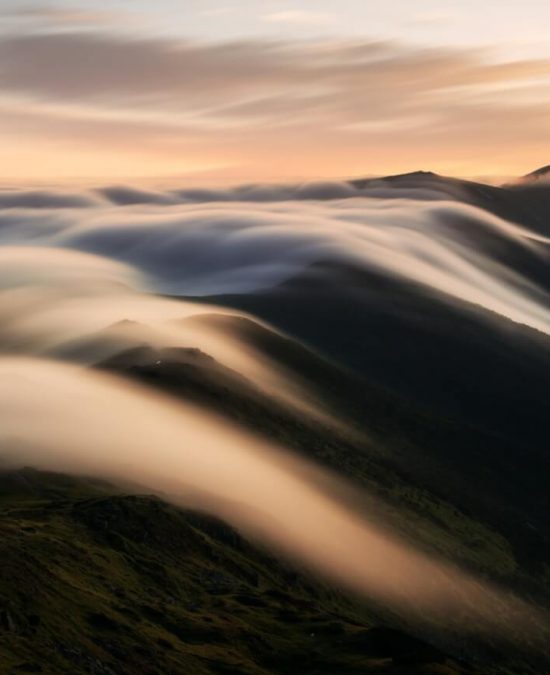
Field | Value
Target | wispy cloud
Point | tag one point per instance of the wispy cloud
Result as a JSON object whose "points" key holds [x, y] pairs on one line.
{"points": [[219, 11], [432, 18], [62, 16], [350, 81], [301, 17], [331, 104]]}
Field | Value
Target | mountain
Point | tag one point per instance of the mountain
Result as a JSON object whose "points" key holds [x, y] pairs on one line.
{"points": [[97, 581], [445, 483], [402, 346], [526, 201], [538, 174], [448, 373]]}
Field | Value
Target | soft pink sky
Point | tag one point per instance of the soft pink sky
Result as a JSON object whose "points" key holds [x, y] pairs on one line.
{"points": [[213, 91]]}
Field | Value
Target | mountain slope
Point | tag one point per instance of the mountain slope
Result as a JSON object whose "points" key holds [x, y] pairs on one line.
{"points": [[457, 364], [526, 201], [371, 358], [94, 581]]}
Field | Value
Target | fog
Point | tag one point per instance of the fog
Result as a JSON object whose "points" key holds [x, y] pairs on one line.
{"points": [[84, 277], [220, 247], [60, 417], [81, 307]]}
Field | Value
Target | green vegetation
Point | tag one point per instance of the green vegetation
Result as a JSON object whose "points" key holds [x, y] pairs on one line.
{"points": [[415, 498], [93, 581], [417, 513], [96, 581]]}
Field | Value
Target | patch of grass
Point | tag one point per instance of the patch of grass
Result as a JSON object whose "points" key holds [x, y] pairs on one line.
{"points": [[92, 581]]}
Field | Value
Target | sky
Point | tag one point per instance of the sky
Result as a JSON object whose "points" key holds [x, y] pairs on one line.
{"points": [[202, 91]]}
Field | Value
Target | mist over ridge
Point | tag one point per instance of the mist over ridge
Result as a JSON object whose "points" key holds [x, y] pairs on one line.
{"points": [[419, 227], [274, 337], [267, 353]]}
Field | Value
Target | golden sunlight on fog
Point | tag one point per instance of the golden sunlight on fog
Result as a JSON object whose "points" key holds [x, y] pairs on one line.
{"points": [[59, 417]]}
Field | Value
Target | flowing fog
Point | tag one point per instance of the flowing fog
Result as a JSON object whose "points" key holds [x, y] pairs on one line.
{"points": [[84, 276], [193, 243], [59, 417]]}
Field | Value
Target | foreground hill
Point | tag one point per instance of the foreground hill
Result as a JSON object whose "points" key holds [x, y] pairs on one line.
{"points": [[96, 581], [441, 482]]}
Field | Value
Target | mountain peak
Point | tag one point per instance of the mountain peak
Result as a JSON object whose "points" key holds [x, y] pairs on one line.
{"points": [[414, 174], [543, 172]]}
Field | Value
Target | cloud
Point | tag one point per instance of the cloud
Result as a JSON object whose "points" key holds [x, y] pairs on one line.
{"points": [[197, 460], [86, 308], [43, 199], [69, 277], [211, 78], [300, 17], [206, 242], [59, 16], [333, 104], [123, 195], [433, 17]]}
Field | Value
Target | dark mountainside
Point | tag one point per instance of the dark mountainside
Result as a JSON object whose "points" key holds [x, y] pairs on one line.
{"points": [[93, 581], [526, 201], [480, 469], [448, 414], [543, 172], [450, 374]]}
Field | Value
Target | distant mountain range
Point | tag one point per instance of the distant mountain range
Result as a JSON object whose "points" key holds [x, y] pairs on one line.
{"points": [[525, 201]]}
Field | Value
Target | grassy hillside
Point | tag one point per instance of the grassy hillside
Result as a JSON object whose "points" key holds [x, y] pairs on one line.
{"points": [[94, 581], [416, 499], [424, 499], [432, 382]]}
